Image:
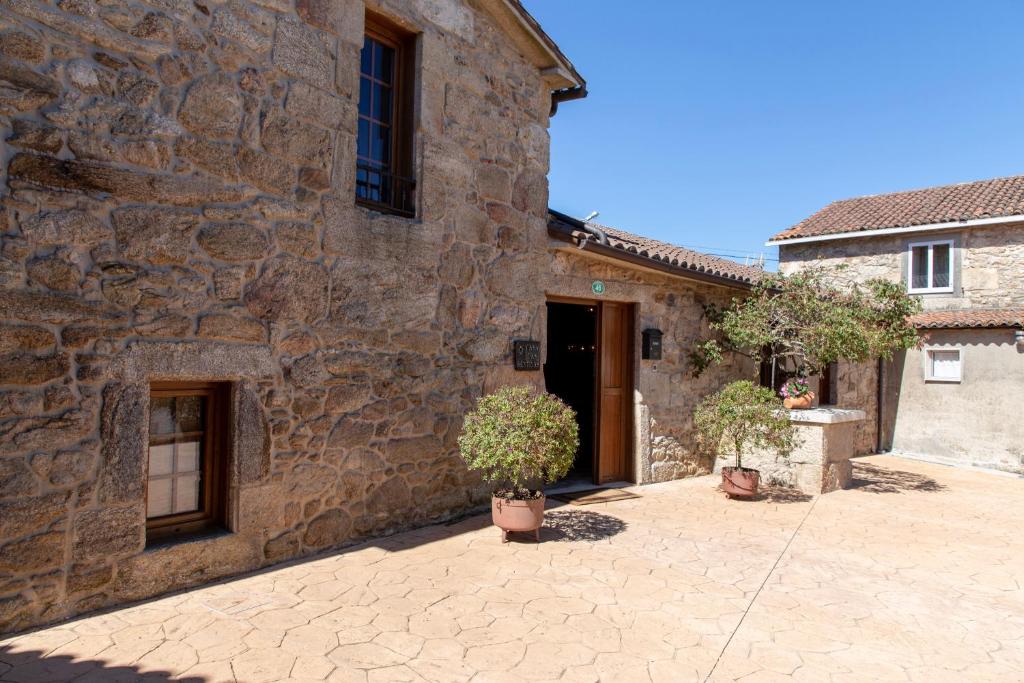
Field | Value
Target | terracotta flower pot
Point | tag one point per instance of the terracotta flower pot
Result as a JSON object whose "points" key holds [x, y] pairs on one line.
{"points": [[517, 515], [800, 403], [740, 482]]}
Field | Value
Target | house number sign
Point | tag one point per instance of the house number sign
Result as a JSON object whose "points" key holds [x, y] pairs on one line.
{"points": [[597, 287], [527, 355]]}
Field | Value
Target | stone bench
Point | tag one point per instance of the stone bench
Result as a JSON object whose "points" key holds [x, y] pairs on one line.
{"points": [[821, 461]]}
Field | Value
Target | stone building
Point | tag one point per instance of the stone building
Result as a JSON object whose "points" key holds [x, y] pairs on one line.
{"points": [[258, 260], [959, 248]]}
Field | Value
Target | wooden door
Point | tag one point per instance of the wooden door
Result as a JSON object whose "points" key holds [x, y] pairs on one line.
{"points": [[615, 393]]}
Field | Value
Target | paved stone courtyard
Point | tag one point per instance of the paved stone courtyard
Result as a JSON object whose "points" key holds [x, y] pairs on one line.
{"points": [[915, 573]]}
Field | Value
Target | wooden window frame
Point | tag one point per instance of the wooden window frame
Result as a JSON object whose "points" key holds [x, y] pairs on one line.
{"points": [[214, 461], [403, 42]]}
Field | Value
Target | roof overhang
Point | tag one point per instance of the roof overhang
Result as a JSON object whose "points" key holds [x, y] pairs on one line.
{"points": [[623, 257], [557, 71], [881, 232]]}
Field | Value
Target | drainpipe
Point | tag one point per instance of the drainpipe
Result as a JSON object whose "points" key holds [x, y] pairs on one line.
{"points": [[597, 232], [879, 399], [566, 94], [582, 226]]}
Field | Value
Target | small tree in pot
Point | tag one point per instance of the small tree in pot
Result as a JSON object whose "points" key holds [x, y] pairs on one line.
{"points": [[738, 417], [519, 437]]}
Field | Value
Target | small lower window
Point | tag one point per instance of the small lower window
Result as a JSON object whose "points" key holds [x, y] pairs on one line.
{"points": [[186, 476], [943, 365]]}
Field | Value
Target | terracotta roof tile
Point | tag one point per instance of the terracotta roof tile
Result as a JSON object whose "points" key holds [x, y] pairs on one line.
{"points": [[663, 252], [982, 199], [938, 320]]}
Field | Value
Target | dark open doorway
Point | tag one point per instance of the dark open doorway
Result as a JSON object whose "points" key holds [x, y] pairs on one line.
{"points": [[570, 372]]}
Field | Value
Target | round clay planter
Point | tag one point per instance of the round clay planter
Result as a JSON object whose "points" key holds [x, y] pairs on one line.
{"points": [[740, 482], [517, 515], [800, 403]]}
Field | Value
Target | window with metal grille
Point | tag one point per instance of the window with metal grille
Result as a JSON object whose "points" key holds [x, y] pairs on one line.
{"points": [[384, 143]]}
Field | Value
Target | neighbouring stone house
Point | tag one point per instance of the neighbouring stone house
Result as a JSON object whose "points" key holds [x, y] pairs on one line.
{"points": [[258, 260], [960, 248]]}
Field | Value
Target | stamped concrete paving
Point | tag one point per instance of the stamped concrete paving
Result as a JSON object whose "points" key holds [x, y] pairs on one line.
{"points": [[916, 573]]}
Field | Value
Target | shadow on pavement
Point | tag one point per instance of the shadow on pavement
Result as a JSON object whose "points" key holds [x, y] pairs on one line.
{"points": [[573, 525], [874, 479], [780, 494], [775, 494], [33, 665]]}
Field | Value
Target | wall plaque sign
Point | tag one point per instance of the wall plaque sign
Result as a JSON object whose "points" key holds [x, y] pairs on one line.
{"points": [[597, 287], [527, 355]]}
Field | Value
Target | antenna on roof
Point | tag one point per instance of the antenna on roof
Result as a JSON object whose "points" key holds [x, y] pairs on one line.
{"points": [[591, 216]]}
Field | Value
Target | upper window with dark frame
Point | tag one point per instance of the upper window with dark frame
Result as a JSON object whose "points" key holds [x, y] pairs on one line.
{"points": [[384, 156], [187, 464]]}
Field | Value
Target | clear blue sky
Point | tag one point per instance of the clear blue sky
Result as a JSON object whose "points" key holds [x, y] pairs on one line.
{"points": [[718, 123]]}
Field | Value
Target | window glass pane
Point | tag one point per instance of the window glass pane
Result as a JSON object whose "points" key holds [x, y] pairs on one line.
{"points": [[365, 86], [158, 498], [381, 109], [186, 495], [366, 57], [940, 266], [919, 268], [189, 413], [188, 457], [945, 364], [361, 190], [384, 62], [380, 143], [161, 416], [363, 148], [373, 187], [161, 460]]}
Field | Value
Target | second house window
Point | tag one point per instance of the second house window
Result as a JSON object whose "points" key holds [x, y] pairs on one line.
{"points": [[930, 267], [187, 470], [384, 157]]}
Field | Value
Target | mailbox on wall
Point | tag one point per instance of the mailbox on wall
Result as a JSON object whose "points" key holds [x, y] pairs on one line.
{"points": [[651, 346]]}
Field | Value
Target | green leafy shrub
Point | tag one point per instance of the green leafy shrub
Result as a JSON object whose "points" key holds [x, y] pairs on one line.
{"points": [[743, 415], [519, 436], [810, 319]]}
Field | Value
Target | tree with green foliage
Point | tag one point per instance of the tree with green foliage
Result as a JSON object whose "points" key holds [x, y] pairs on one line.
{"points": [[740, 416], [519, 436], [809, 319]]}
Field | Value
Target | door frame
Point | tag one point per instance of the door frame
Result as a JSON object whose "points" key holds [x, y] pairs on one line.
{"points": [[629, 365]]}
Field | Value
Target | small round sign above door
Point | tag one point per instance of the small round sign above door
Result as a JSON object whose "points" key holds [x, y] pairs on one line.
{"points": [[597, 287]]}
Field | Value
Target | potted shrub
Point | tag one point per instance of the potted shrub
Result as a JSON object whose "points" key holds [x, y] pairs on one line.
{"points": [[738, 417], [796, 394], [519, 438]]}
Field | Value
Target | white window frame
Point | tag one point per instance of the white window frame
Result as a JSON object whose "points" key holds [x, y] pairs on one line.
{"points": [[929, 377], [931, 260]]}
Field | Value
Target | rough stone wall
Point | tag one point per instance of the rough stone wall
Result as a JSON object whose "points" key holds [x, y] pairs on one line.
{"points": [[857, 388], [178, 183], [989, 266], [820, 463], [665, 392]]}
